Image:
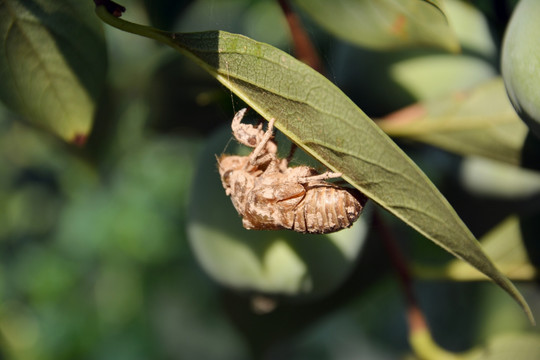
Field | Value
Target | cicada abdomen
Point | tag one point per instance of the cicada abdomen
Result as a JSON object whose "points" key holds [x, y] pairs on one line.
{"points": [[327, 208], [317, 207]]}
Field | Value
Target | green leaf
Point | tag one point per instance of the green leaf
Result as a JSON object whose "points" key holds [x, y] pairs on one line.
{"points": [[52, 63], [478, 122], [384, 24], [503, 244], [317, 116]]}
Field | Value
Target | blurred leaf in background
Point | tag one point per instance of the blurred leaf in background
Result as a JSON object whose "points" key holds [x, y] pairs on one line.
{"points": [[479, 122], [52, 64], [393, 79], [94, 258], [386, 24]]}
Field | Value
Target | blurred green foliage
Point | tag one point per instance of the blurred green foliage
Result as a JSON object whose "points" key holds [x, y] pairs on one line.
{"points": [[94, 258]]}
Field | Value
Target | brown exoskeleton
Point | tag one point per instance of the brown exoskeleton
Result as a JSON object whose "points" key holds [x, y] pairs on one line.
{"points": [[270, 195]]}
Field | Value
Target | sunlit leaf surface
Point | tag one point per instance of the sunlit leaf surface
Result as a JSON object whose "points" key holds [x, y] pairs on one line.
{"points": [[384, 24], [52, 63], [322, 120]]}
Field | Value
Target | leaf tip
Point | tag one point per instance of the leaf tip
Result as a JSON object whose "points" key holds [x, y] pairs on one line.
{"points": [[514, 292]]}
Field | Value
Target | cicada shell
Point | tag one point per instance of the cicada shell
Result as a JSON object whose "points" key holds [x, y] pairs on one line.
{"points": [[270, 195]]}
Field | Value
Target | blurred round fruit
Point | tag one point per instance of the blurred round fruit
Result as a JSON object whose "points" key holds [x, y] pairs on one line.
{"points": [[521, 62]]}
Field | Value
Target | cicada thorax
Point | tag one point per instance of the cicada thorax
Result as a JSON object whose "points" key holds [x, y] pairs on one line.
{"points": [[269, 206], [327, 208]]}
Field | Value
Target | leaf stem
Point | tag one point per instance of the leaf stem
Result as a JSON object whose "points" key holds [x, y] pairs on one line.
{"points": [[111, 18], [303, 47], [108, 13]]}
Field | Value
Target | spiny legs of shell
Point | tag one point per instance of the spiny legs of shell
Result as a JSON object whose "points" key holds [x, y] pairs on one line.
{"points": [[324, 176], [291, 152], [246, 134], [241, 132], [249, 135], [262, 144]]}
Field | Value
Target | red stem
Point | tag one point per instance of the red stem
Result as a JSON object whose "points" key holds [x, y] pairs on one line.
{"points": [[303, 47], [415, 317]]}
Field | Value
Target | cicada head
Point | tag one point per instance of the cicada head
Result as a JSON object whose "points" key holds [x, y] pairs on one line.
{"points": [[229, 167]]}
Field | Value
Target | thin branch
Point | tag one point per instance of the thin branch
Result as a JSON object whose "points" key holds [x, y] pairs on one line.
{"points": [[303, 47], [419, 334], [414, 314]]}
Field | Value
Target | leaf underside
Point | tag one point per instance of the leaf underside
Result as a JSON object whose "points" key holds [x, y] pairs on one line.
{"points": [[318, 117]]}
